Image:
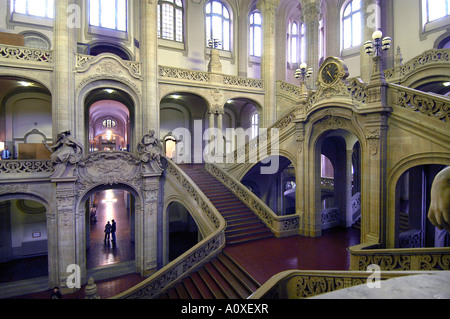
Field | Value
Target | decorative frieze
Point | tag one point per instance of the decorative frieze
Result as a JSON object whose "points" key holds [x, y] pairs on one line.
{"points": [[29, 166]]}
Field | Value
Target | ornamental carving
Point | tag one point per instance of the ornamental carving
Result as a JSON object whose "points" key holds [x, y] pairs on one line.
{"points": [[332, 122], [426, 104], [109, 168]]}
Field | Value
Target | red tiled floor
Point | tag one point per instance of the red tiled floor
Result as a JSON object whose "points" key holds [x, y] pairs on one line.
{"points": [[267, 257]]}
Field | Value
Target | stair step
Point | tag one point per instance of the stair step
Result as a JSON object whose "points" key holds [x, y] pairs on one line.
{"points": [[182, 292], [209, 281], [249, 228], [241, 290], [202, 286], [245, 239], [221, 281], [251, 284]]}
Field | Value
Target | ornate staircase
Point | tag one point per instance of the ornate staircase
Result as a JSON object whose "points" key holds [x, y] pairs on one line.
{"points": [[242, 224], [222, 277]]}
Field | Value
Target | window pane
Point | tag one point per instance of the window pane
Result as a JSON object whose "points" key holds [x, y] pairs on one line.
{"points": [[20, 6], [179, 25], [208, 7], [347, 33], [37, 8], [94, 12], [108, 14], [258, 19], [258, 41], [303, 49], [226, 36], [217, 7], [294, 50], [348, 10], [167, 22], [50, 8], [436, 9], [356, 5], [294, 28], [357, 31], [122, 15], [208, 29]]}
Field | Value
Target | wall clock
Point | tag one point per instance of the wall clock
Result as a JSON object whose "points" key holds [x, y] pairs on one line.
{"points": [[330, 73]]}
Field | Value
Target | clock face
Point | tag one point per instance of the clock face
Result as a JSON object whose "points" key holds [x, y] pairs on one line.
{"points": [[330, 73]]}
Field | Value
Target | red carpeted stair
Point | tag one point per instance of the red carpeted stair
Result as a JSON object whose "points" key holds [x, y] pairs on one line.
{"points": [[242, 224], [221, 278]]}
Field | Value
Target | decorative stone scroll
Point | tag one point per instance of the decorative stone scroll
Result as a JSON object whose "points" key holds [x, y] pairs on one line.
{"points": [[109, 168], [25, 54], [426, 104]]}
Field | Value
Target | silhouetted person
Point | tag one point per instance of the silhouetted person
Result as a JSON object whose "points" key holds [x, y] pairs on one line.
{"points": [[107, 231], [113, 231]]}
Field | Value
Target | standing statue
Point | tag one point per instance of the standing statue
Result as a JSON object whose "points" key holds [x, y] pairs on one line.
{"points": [[439, 212], [65, 152], [150, 148]]}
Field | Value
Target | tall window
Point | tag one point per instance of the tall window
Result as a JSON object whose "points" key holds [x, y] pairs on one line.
{"points": [[170, 20], [38, 8], [435, 9], [255, 125], [109, 14], [255, 34], [297, 43], [218, 24], [352, 25], [321, 40]]}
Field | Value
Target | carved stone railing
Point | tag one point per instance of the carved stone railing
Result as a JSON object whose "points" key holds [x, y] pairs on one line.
{"points": [[410, 239], [427, 58], [297, 284], [25, 54], [25, 170], [264, 139], [356, 207], [431, 105], [361, 256], [330, 218], [357, 90], [183, 74], [243, 82], [212, 244], [281, 226]]}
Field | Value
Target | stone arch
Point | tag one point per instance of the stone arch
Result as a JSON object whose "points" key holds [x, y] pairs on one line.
{"points": [[433, 158], [323, 123], [131, 101]]}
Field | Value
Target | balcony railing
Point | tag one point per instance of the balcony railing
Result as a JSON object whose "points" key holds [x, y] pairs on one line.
{"points": [[25, 54], [297, 284]]}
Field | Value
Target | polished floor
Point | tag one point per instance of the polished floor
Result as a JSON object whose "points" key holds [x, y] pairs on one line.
{"points": [[261, 259], [111, 204]]}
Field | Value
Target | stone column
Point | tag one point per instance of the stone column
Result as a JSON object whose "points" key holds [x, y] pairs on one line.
{"points": [[370, 23], [147, 230], [148, 117], [65, 48], [373, 186], [70, 239], [311, 16], [268, 9]]}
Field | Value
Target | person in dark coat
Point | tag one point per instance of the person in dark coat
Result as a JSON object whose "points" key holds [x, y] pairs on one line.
{"points": [[113, 231], [107, 231]]}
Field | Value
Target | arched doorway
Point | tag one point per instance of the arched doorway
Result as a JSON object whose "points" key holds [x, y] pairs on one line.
{"points": [[24, 250], [338, 180], [183, 231], [412, 201], [25, 118], [100, 205], [182, 123], [276, 190], [109, 120]]}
